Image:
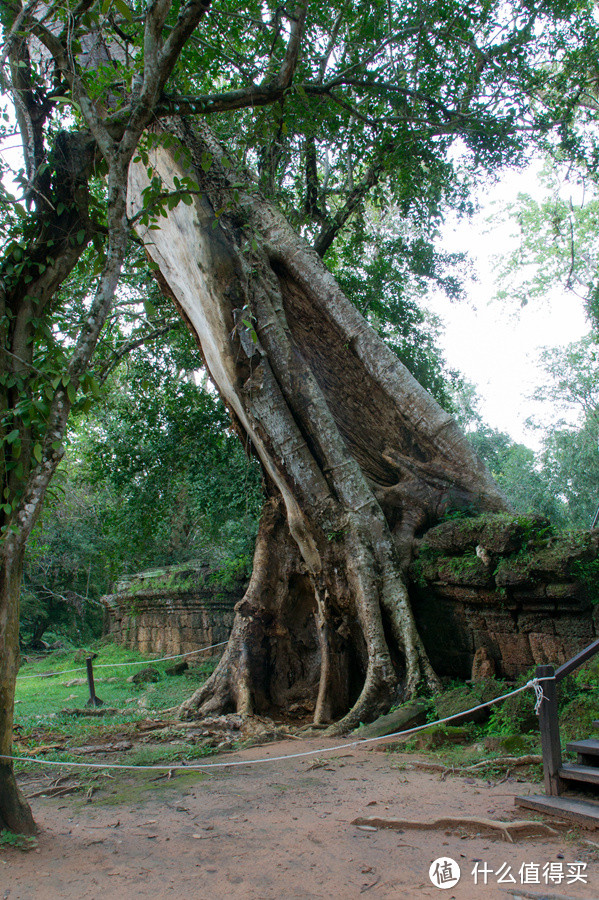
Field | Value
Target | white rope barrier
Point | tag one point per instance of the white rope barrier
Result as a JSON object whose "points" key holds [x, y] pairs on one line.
{"points": [[534, 683], [142, 662]]}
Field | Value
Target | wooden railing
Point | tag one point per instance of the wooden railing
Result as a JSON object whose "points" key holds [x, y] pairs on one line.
{"points": [[548, 716]]}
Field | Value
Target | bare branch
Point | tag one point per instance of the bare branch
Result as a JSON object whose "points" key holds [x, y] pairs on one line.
{"points": [[332, 41], [289, 64], [155, 19], [129, 347], [242, 98], [355, 197], [189, 16]]}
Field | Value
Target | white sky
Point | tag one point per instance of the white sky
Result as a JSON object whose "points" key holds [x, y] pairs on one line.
{"points": [[495, 344]]}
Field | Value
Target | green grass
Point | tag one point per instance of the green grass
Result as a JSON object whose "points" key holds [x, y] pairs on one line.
{"points": [[39, 716]]}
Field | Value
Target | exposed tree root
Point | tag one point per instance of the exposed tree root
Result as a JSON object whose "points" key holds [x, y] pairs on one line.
{"points": [[510, 762], [507, 831]]}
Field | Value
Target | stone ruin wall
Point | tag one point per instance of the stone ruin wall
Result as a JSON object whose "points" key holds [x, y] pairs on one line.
{"points": [[495, 595], [170, 611], [499, 595]]}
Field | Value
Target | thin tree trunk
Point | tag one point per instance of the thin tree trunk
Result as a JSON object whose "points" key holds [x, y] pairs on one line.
{"points": [[15, 813], [357, 455]]}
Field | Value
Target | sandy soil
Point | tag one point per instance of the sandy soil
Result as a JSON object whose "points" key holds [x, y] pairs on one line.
{"points": [[283, 830]]}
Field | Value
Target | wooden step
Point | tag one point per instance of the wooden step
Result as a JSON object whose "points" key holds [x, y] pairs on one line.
{"points": [[584, 812], [588, 774], [589, 749]]}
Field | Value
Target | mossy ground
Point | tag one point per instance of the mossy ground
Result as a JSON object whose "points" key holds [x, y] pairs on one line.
{"points": [[41, 720], [510, 729]]}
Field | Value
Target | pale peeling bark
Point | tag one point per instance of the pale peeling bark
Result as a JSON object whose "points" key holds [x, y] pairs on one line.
{"points": [[357, 455]]}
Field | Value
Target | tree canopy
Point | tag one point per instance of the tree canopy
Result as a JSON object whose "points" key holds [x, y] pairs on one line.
{"points": [[336, 117]]}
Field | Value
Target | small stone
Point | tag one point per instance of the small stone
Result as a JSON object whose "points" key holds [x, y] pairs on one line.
{"points": [[144, 676], [177, 668], [82, 655], [483, 666]]}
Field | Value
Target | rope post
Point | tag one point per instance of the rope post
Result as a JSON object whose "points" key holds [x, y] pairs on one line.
{"points": [[549, 727], [93, 700]]}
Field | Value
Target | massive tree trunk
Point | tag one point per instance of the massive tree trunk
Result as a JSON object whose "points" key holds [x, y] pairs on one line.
{"points": [[15, 813], [357, 456]]}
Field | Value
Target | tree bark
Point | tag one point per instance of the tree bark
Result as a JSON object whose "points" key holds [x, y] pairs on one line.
{"points": [[358, 457], [15, 813]]}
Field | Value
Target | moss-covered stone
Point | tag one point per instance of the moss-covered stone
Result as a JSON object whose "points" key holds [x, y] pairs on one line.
{"points": [[409, 715], [465, 697], [176, 609], [442, 735], [509, 585], [467, 569]]}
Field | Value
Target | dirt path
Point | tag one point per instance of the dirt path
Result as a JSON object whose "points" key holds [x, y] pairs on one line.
{"points": [[283, 830]]}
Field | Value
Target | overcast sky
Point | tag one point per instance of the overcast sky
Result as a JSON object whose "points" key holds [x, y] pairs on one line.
{"points": [[495, 344]]}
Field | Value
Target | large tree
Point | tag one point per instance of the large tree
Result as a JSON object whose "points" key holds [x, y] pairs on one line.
{"points": [[321, 109]]}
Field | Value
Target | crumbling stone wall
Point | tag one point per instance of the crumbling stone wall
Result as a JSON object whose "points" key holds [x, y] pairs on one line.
{"points": [[173, 610], [500, 594], [492, 595]]}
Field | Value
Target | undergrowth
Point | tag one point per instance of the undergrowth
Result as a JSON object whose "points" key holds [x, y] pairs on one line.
{"points": [[42, 704], [11, 841]]}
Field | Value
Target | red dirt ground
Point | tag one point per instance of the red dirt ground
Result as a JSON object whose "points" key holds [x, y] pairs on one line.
{"points": [[284, 830]]}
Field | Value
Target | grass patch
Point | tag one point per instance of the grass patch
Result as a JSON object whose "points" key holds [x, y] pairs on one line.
{"points": [[133, 788], [40, 719]]}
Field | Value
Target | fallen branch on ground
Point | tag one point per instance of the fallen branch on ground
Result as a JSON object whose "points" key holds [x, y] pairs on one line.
{"points": [[509, 761], [508, 831], [118, 747]]}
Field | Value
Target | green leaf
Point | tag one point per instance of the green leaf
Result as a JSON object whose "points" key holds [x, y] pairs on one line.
{"points": [[149, 308], [124, 9], [12, 437], [71, 392], [94, 386], [37, 452]]}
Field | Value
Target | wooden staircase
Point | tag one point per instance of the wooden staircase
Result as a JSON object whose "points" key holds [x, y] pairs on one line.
{"points": [[571, 789]]}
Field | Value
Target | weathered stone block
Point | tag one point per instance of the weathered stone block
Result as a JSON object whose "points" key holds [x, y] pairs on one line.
{"points": [[172, 610]]}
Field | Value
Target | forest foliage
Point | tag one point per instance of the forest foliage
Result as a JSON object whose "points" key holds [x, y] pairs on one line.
{"points": [[394, 113]]}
